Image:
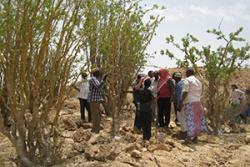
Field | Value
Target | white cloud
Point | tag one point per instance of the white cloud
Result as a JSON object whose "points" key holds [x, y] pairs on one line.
{"points": [[229, 14]]}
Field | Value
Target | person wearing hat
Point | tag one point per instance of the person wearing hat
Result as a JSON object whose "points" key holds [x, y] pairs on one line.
{"points": [[95, 98]]}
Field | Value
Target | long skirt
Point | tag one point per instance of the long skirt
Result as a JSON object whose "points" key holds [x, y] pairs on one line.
{"points": [[195, 119], [182, 120]]}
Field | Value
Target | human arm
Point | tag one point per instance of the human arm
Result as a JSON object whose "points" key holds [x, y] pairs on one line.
{"points": [[139, 84], [185, 89], [184, 96], [171, 85], [96, 83]]}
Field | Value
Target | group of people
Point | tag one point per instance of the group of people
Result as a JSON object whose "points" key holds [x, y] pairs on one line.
{"points": [[154, 94]]}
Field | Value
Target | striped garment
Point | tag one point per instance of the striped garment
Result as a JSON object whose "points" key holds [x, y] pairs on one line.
{"points": [[96, 92]]}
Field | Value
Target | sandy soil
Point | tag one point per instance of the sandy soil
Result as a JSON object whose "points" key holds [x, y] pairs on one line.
{"points": [[82, 148]]}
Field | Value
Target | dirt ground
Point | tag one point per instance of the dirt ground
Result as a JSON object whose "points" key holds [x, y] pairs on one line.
{"points": [[83, 149]]}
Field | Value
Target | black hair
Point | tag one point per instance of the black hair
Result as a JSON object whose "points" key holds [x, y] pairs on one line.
{"points": [[147, 83], [190, 71], [96, 73], [150, 72], [84, 75], [234, 86], [139, 76]]}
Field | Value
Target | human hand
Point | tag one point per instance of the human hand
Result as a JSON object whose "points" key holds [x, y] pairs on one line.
{"points": [[104, 77], [180, 106]]}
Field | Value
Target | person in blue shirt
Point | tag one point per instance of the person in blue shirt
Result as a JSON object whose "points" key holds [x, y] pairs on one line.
{"points": [[177, 78]]}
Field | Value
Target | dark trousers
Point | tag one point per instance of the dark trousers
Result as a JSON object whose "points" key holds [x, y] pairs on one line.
{"points": [[96, 116], [164, 111], [137, 122], [146, 118], [84, 104]]}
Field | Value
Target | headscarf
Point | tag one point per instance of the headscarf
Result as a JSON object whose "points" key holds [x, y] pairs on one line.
{"points": [[164, 76]]}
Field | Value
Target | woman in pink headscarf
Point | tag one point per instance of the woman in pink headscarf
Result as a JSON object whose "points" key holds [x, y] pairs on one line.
{"points": [[165, 92]]}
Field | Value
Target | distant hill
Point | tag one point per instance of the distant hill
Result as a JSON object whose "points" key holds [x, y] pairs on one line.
{"points": [[242, 78]]}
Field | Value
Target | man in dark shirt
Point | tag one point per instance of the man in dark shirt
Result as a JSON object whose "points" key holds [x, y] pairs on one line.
{"points": [[146, 97], [136, 89]]}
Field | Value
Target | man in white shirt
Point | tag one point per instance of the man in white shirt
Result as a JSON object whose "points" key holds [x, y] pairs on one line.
{"points": [[193, 109], [153, 88], [83, 88], [237, 96]]}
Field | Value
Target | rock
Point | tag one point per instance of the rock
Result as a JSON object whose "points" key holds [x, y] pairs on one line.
{"points": [[247, 139], [81, 135], [69, 124], [67, 134], [160, 137], [83, 125], [81, 147], [227, 130], [185, 160], [90, 152], [126, 128], [130, 137], [170, 142], [98, 139], [112, 156], [234, 146], [136, 154], [163, 147], [131, 147]]}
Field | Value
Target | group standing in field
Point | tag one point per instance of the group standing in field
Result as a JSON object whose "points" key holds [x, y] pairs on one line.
{"points": [[163, 91], [153, 97]]}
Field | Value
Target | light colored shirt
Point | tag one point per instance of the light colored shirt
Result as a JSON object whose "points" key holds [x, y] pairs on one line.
{"points": [[153, 87], [84, 89], [237, 96], [193, 87]]}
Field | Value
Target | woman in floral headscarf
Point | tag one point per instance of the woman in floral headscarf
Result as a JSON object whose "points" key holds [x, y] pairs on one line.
{"points": [[165, 94]]}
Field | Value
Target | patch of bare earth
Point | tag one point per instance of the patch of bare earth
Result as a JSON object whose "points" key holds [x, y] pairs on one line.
{"points": [[81, 148]]}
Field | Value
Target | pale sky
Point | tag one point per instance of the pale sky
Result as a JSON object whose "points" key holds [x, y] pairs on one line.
{"points": [[196, 17]]}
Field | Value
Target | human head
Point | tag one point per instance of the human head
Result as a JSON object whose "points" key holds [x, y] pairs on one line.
{"points": [[84, 75], [151, 74], [164, 73], [95, 72], [177, 76], [234, 86], [139, 77], [156, 75], [147, 83], [189, 72]]}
